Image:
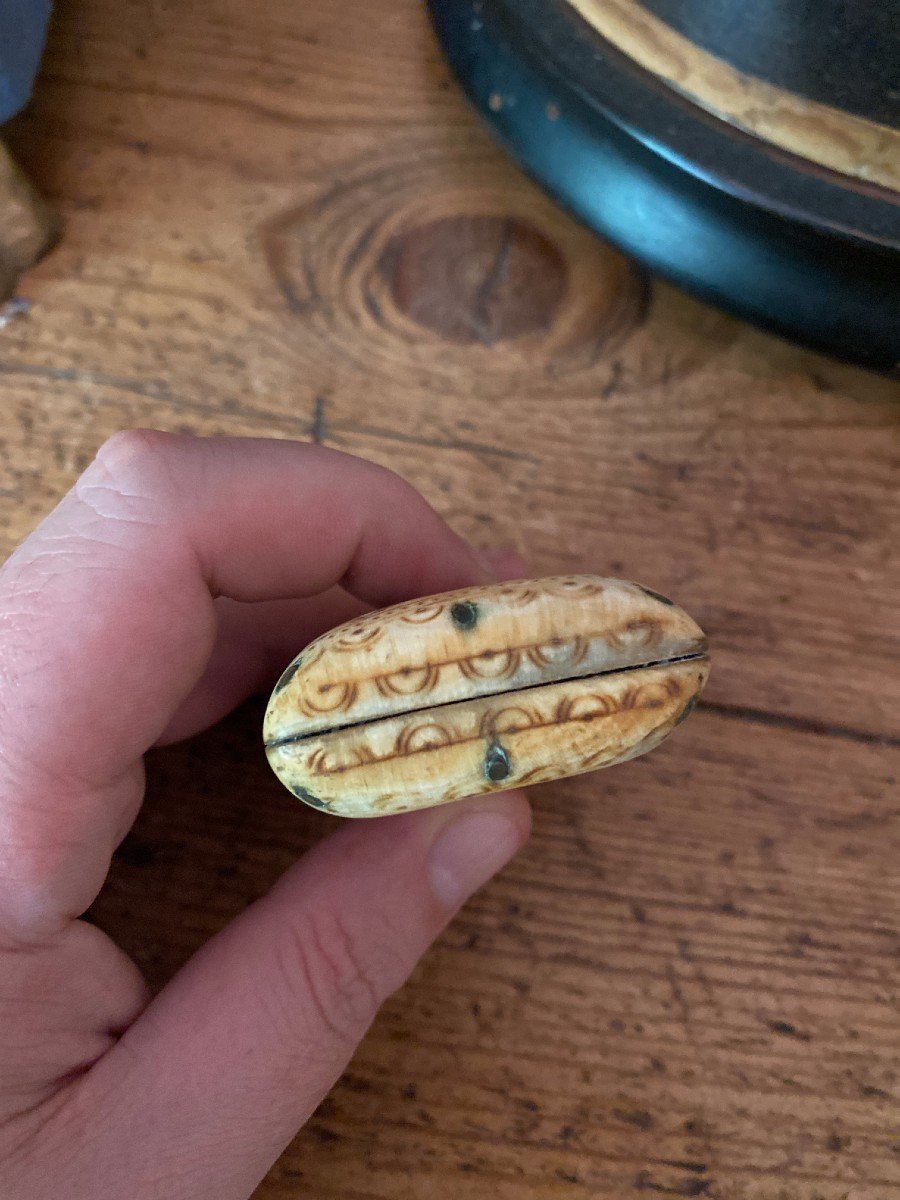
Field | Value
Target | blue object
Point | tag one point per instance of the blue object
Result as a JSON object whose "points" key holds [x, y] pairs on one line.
{"points": [[23, 28]]}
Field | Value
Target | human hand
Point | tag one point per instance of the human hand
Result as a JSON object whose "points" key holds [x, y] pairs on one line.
{"points": [[178, 576]]}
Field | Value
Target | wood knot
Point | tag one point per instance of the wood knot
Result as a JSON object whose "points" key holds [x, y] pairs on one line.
{"points": [[441, 267], [476, 279]]}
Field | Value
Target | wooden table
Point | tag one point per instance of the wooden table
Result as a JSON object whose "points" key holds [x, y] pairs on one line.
{"points": [[282, 220]]}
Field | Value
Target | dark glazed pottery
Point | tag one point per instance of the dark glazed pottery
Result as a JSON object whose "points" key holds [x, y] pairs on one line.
{"points": [[760, 229]]}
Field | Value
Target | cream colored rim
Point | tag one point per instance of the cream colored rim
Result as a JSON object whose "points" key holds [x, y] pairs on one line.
{"points": [[843, 142]]}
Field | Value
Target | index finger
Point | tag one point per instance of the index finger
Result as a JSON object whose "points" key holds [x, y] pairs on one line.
{"points": [[107, 620]]}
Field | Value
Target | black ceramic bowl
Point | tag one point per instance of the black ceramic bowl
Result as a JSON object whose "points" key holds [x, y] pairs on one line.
{"points": [[749, 153]]}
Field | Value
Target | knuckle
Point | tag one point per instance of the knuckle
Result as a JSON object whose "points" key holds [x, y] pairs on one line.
{"points": [[406, 492], [131, 450], [389, 483], [130, 473]]}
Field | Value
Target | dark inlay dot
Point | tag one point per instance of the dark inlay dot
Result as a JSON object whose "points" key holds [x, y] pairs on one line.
{"points": [[476, 279], [686, 711], [288, 675], [657, 596], [464, 614], [304, 794], [496, 763]]}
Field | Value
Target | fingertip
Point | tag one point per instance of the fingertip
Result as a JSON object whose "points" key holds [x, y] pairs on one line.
{"points": [[516, 807], [477, 840], [453, 849]]}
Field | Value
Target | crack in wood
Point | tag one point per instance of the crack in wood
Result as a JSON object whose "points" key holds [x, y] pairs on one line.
{"points": [[149, 390], [318, 432], [774, 720], [495, 276], [434, 443]]}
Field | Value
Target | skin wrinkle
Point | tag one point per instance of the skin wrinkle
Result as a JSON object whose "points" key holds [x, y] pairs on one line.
{"points": [[34, 593], [353, 976], [49, 559], [132, 452], [46, 852], [147, 450], [36, 763], [70, 1034], [88, 789], [295, 986], [333, 997], [86, 491], [19, 663], [33, 1121]]}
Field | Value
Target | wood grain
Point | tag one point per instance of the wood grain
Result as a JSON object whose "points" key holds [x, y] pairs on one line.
{"points": [[692, 963], [283, 221]]}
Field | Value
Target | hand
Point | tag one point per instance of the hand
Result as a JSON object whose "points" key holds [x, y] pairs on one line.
{"points": [[178, 576]]}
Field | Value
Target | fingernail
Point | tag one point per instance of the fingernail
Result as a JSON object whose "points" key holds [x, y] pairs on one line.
{"points": [[468, 852]]}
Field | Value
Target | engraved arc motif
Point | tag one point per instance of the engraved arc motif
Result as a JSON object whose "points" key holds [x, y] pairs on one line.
{"points": [[330, 697], [587, 708], [512, 718], [569, 586], [645, 632], [408, 681], [491, 664], [557, 651], [458, 729], [340, 696], [518, 594], [420, 612], [363, 633], [354, 636], [425, 735]]}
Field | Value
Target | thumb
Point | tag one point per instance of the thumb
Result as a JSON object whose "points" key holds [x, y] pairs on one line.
{"points": [[206, 1089]]}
